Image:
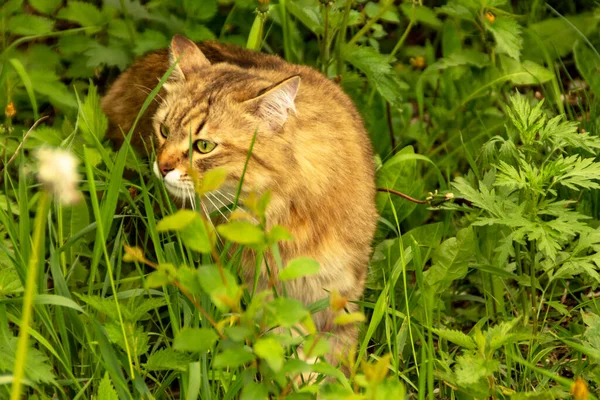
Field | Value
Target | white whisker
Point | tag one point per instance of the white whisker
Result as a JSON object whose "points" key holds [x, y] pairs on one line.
{"points": [[207, 196]]}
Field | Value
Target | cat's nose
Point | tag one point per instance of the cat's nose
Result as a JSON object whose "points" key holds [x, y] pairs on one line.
{"points": [[165, 168]]}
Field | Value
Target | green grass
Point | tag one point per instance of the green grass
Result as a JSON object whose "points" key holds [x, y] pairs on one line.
{"points": [[489, 295]]}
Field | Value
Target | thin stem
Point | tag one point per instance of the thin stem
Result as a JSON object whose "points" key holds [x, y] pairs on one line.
{"points": [[341, 36], [325, 44], [404, 196], [27, 314], [369, 24], [404, 35], [18, 150], [388, 114]]}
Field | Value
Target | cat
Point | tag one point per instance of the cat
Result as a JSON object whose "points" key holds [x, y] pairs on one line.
{"points": [[311, 152]]}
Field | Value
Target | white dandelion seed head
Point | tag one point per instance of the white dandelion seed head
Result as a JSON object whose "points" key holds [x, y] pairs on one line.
{"points": [[57, 170]]}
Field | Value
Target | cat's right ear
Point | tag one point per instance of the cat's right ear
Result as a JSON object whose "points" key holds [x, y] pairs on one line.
{"points": [[190, 58]]}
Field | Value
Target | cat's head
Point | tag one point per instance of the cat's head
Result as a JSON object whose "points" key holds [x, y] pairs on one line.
{"points": [[209, 116]]}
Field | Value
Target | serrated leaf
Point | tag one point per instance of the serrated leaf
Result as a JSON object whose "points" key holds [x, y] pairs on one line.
{"points": [[422, 14], [456, 337], [195, 340], [27, 24], [379, 71], [45, 6], [507, 33], [92, 121], [201, 10], [271, 351], [10, 283], [168, 360], [137, 338], [85, 14], [242, 232], [473, 367], [298, 268], [450, 260], [37, 367], [106, 390], [111, 56]]}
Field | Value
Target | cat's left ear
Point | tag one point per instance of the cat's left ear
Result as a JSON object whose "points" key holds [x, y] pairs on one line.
{"points": [[190, 57], [276, 102]]}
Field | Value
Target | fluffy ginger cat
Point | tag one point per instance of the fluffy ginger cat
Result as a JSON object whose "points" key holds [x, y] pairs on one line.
{"points": [[311, 152]]}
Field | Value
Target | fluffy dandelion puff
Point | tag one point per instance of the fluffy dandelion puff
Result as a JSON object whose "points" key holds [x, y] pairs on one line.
{"points": [[57, 170]]}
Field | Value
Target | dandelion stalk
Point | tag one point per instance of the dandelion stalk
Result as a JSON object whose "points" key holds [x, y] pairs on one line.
{"points": [[30, 292], [57, 172]]}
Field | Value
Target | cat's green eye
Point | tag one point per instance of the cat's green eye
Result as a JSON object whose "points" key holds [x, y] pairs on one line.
{"points": [[204, 146], [164, 131]]}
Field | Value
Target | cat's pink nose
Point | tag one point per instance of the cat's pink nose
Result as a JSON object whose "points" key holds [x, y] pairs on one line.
{"points": [[165, 168]]}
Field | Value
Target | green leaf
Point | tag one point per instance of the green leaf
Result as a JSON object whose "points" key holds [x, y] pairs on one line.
{"points": [[286, 312], [177, 221], [255, 391], [83, 13], [349, 318], [299, 267], [379, 72], [233, 358], [507, 33], [557, 35], [137, 337], [203, 10], [111, 56], [106, 390], [195, 340], [422, 14], [168, 360], [222, 294], [10, 283], [278, 233], [450, 260], [212, 180], [588, 65], [592, 332], [455, 337], [37, 367], [317, 346], [150, 40], [92, 121], [242, 232], [45, 6], [27, 24], [192, 227], [271, 351], [526, 73], [473, 367]]}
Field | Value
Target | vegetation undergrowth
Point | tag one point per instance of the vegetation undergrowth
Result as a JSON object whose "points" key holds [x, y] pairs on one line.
{"points": [[486, 109]]}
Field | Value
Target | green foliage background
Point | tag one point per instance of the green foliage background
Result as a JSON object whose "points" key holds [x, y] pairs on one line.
{"points": [[485, 108]]}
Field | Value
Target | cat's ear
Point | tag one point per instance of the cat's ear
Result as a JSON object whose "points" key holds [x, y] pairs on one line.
{"points": [[276, 102], [189, 55]]}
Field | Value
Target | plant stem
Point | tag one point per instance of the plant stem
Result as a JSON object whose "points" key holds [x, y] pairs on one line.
{"points": [[341, 37], [27, 313], [325, 43], [369, 24], [404, 35]]}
